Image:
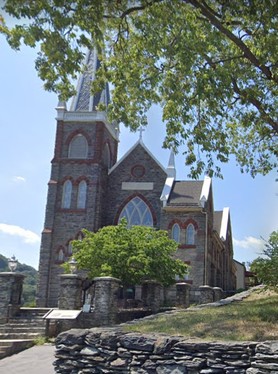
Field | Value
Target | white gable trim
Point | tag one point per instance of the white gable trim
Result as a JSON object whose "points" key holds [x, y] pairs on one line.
{"points": [[205, 191], [224, 224], [129, 152], [167, 190]]}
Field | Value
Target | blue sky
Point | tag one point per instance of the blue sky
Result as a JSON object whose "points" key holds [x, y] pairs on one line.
{"points": [[27, 123]]}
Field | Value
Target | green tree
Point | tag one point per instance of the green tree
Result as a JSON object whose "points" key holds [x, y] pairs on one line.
{"points": [[211, 65], [130, 254], [266, 268]]}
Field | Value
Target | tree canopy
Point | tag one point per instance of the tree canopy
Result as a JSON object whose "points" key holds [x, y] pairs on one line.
{"points": [[266, 267], [211, 65], [131, 254]]}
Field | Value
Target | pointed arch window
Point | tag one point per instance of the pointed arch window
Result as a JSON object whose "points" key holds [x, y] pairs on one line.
{"points": [[78, 147], [60, 255], [190, 234], [69, 248], [66, 198], [176, 232], [137, 213], [82, 195]]}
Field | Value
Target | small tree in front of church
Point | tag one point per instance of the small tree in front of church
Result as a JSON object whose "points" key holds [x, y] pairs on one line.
{"points": [[130, 254], [266, 267]]}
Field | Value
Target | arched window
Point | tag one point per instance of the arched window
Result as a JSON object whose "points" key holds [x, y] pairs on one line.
{"points": [[190, 234], [66, 198], [69, 248], [176, 232], [80, 236], [137, 213], [60, 255], [81, 195], [78, 147]]}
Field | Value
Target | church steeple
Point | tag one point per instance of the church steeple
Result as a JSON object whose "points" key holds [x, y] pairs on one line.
{"points": [[85, 149], [84, 99], [84, 106]]}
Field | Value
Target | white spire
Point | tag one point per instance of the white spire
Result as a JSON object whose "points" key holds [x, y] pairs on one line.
{"points": [[171, 169], [171, 176]]}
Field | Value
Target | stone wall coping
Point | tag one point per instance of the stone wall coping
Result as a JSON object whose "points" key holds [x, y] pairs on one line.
{"points": [[205, 287], [107, 279], [11, 274], [77, 276], [183, 284]]}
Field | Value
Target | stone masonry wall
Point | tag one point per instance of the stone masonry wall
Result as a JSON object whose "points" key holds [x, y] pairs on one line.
{"points": [[111, 350]]}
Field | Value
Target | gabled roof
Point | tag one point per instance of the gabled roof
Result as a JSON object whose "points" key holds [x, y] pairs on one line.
{"points": [[139, 143], [84, 100], [217, 219], [220, 222], [185, 193]]}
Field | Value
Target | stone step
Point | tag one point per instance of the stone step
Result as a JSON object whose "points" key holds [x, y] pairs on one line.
{"points": [[20, 335], [21, 328], [24, 323], [11, 346]]}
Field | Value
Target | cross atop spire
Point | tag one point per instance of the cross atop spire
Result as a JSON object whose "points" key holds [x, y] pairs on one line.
{"points": [[84, 99], [141, 129]]}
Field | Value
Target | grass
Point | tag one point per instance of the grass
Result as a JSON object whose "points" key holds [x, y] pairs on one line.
{"points": [[253, 319]]}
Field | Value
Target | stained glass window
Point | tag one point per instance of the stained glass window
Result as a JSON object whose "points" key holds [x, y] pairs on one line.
{"points": [[137, 213], [190, 234], [176, 232], [82, 194], [66, 199]]}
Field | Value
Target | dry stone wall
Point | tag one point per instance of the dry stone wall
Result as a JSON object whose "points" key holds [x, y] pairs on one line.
{"points": [[111, 350]]}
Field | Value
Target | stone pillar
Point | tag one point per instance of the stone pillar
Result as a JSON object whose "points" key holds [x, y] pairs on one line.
{"points": [[217, 293], [10, 294], [105, 303], [182, 294], [206, 294], [70, 297], [151, 295]]}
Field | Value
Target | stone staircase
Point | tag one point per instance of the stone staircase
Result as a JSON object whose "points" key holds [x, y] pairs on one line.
{"points": [[21, 332]]}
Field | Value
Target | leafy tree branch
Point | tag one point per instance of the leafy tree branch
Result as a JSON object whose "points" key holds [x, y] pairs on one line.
{"points": [[210, 65]]}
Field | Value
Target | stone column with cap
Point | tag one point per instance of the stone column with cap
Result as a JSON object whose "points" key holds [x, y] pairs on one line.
{"points": [[10, 295], [105, 302], [206, 294], [217, 293], [182, 294], [70, 297]]}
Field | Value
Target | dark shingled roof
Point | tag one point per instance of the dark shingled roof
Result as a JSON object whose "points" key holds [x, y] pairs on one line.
{"points": [[84, 100], [185, 193], [217, 219]]}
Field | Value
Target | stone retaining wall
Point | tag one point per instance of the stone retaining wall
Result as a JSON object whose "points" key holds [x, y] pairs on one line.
{"points": [[110, 350]]}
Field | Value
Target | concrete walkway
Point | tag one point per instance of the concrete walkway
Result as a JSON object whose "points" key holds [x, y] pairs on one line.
{"points": [[35, 360]]}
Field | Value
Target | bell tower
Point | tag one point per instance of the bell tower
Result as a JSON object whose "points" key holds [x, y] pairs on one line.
{"points": [[85, 149]]}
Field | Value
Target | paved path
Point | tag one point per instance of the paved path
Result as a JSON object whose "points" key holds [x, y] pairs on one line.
{"points": [[35, 360]]}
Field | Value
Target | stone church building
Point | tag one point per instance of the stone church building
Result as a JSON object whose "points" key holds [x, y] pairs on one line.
{"points": [[89, 188]]}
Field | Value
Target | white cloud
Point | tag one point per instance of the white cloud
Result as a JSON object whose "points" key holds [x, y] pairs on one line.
{"points": [[249, 242], [28, 236], [18, 179]]}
